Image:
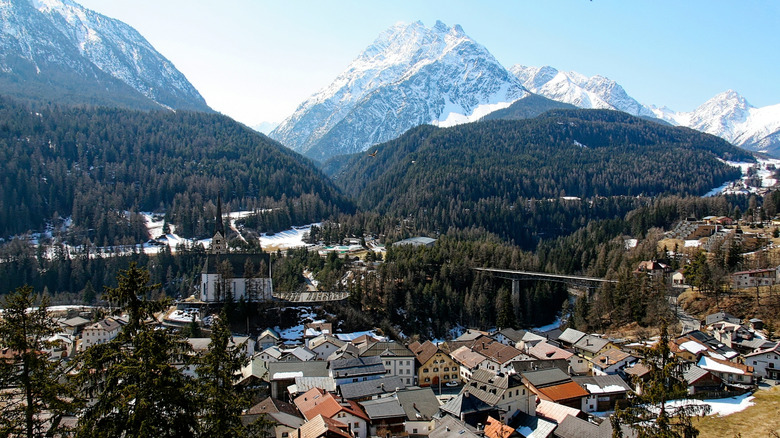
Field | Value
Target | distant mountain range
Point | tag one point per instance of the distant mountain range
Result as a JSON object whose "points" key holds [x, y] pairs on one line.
{"points": [[413, 75], [59, 51]]}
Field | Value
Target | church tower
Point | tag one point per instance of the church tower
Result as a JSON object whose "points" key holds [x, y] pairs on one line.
{"points": [[218, 243]]}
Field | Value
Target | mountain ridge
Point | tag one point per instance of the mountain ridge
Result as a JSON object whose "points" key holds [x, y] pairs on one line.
{"points": [[57, 50], [410, 75]]}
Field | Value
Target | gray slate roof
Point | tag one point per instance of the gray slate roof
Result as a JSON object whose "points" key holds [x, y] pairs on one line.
{"points": [[370, 388], [548, 377], [358, 366], [418, 403], [385, 407], [449, 427], [591, 344], [311, 368], [464, 403], [571, 336]]}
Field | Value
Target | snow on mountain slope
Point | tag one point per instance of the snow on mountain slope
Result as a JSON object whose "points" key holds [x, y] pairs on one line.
{"points": [[727, 115], [63, 40], [410, 75], [731, 117], [579, 90]]}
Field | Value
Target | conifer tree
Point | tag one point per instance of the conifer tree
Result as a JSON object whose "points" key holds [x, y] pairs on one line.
{"points": [[650, 414], [36, 399], [134, 386], [220, 401]]}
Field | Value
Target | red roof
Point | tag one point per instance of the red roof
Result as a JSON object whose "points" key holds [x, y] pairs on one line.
{"points": [[566, 391]]}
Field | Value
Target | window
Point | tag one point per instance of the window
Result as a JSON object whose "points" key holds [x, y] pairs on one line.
{"points": [[414, 430], [427, 379], [357, 425], [285, 434], [425, 370], [446, 368], [436, 370]]}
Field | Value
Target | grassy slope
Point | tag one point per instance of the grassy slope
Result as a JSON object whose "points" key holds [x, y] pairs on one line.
{"points": [[760, 420]]}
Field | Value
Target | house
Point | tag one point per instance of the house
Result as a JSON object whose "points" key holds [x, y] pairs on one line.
{"points": [[611, 361], [590, 346], [678, 278], [244, 343], [657, 271], [719, 317], [701, 381], [729, 372], [766, 362], [284, 416], [496, 429], [694, 344], [468, 360], [448, 426], [434, 366], [570, 336], [469, 409], [530, 339], [314, 329], [573, 427], [282, 374], [556, 386], [303, 384], [605, 392], [533, 426], [324, 345], [754, 278], [547, 351], [369, 389], [99, 333], [555, 412], [398, 360], [321, 427], [316, 402], [386, 416], [268, 338], [420, 406], [73, 326], [533, 364], [498, 355], [506, 392], [509, 336], [356, 369]]}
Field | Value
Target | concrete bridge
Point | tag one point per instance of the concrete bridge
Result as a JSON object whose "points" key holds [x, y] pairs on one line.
{"points": [[309, 296]]}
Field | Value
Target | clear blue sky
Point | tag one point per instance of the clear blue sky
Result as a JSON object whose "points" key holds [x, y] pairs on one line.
{"points": [[257, 60]]}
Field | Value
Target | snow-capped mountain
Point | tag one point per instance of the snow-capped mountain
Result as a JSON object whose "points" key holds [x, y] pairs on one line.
{"points": [[410, 75], [58, 50], [579, 90], [727, 115], [730, 116]]}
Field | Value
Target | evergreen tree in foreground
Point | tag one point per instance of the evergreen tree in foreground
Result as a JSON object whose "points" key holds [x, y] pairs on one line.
{"points": [[650, 412], [134, 387], [220, 401], [34, 397]]}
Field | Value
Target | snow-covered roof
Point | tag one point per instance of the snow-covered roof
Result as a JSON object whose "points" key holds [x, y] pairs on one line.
{"points": [[693, 347], [711, 364]]}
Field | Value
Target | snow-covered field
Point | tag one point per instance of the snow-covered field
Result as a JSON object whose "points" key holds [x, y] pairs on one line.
{"points": [[764, 169]]}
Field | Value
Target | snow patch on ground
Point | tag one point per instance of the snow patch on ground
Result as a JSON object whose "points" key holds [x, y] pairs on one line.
{"points": [[722, 406]]}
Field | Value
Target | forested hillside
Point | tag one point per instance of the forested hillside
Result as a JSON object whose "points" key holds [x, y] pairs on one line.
{"points": [[101, 166], [501, 174]]}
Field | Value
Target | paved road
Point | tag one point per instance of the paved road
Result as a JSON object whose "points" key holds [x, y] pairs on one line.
{"points": [[688, 322]]}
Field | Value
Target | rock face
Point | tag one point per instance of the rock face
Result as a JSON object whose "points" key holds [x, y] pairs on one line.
{"points": [[56, 50], [411, 75]]}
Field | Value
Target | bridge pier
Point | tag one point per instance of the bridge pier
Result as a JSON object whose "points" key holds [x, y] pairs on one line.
{"points": [[516, 298]]}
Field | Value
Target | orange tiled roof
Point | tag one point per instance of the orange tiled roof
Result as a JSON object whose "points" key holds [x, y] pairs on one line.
{"points": [[497, 429], [564, 391]]}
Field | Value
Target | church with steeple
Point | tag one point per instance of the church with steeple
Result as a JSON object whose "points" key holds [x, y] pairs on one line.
{"points": [[229, 276]]}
